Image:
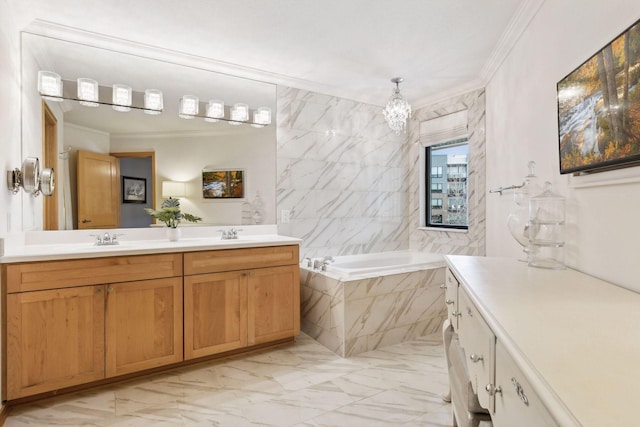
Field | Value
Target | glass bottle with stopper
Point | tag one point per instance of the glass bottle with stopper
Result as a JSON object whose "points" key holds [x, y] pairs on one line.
{"points": [[546, 229]]}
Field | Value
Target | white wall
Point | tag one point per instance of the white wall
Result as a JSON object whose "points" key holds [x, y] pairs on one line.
{"points": [[184, 158], [602, 229]]}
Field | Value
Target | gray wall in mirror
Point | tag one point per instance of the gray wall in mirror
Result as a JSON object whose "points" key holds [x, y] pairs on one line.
{"points": [[183, 148]]}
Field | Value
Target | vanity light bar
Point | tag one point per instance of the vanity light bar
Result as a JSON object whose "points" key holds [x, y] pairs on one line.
{"points": [[215, 111], [88, 92]]}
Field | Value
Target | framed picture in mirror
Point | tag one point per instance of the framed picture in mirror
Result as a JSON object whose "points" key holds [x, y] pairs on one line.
{"points": [[223, 184], [134, 190]]}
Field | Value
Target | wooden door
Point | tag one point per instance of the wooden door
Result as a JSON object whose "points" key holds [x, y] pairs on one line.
{"points": [[50, 160], [274, 303], [98, 191], [55, 339], [215, 307], [143, 325]]}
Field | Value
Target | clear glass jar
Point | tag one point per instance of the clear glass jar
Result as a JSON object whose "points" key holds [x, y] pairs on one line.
{"points": [[547, 230]]}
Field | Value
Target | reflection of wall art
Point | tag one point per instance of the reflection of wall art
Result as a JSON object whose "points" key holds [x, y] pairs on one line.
{"points": [[599, 108], [134, 190], [223, 184]]}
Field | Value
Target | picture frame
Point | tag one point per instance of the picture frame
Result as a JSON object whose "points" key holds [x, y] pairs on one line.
{"points": [[134, 190], [223, 184], [599, 108]]}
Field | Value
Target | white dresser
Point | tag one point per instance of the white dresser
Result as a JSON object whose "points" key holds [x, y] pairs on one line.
{"points": [[546, 347]]}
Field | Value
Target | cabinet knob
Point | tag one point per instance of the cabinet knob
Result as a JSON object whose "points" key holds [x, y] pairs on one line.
{"points": [[244, 274], [456, 314], [443, 286], [109, 289], [99, 291], [475, 358], [252, 273], [448, 301], [469, 312], [492, 390]]}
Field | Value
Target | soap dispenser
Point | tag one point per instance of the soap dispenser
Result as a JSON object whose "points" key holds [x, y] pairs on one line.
{"points": [[546, 229]]}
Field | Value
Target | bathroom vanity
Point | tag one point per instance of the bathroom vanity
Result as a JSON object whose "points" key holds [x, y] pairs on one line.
{"points": [[78, 314], [545, 347]]}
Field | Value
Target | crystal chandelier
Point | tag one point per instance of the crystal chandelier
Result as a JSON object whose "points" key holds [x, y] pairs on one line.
{"points": [[398, 109]]}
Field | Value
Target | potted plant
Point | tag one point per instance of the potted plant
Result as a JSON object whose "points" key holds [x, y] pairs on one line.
{"points": [[170, 214]]}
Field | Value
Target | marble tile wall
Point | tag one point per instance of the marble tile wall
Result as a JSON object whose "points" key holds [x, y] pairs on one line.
{"points": [[352, 317], [472, 242], [342, 173]]}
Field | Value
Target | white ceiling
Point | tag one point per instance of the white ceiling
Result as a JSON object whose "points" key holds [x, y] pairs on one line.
{"points": [[348, 48]]}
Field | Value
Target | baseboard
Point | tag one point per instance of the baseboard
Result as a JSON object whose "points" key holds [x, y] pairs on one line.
{"points": [[4, 413]]}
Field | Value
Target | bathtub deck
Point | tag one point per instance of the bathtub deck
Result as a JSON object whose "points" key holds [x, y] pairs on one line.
{"points": [[355, 316]]}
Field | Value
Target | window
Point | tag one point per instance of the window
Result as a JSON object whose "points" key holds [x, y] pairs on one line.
{"points": [[448, 163]]}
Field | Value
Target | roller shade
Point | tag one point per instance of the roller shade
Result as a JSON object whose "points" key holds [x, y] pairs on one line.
{"points": [[444, 128]]}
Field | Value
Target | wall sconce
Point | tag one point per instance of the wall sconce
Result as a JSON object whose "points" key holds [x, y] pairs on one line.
{"points": [[173, 189], [31, 179], [261, 117]]}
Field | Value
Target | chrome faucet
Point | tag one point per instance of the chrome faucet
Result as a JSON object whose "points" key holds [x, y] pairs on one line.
{"points": [[230, 234], [106, 239]]}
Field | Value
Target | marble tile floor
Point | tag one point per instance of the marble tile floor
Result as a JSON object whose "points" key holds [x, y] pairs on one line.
{"points": [[302, 384]]}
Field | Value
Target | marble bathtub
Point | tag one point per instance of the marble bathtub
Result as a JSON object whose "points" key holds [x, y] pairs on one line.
{"points": [[363, 302]]}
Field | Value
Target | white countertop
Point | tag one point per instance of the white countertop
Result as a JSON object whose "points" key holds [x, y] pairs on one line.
{"points": [[55, 245], [575, 337]]}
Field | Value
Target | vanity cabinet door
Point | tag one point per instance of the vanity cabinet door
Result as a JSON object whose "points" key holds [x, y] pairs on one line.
{"points": [[516, 403], [55, 339], [479, 343], [215, 313], [451, 299], [274, 303], [143, 325]]}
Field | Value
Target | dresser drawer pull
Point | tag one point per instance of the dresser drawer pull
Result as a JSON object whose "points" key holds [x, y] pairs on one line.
{"points": [[443, 286], [456, 314], [475, 358], [449, 301], [469, 312], [520, 391], [492, 390]]}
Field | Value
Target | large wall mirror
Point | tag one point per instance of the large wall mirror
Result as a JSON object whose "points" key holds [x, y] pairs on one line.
{"points": [[148, 149]]}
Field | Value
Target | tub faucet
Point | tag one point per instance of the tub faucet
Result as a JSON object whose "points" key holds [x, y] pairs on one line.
{"points": [[306, 262]]}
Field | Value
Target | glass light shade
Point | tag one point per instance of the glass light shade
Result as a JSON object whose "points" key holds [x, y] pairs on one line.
{"points": [[189, 107], [122, 98], [242, 111], [257, 119], [88, 92], [50, 85], [173, 189], [215, 110], [262, 116], [153, 103]]}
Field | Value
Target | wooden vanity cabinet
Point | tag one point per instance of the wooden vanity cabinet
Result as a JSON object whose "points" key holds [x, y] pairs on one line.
{"points": [[240, 297], [143, 325], [55, 339], [65, 317]]}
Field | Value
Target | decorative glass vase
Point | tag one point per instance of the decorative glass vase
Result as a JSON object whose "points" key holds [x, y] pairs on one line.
{"points": [[174, 234], [518, 219]]}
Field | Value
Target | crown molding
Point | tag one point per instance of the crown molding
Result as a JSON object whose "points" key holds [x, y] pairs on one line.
{"points": [[518, 24], [116, 44]]}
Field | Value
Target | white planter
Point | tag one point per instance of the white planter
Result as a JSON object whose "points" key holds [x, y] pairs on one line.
{"points": [[173, 234]]}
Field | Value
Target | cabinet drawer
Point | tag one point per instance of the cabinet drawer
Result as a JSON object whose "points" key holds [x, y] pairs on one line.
{"points": [[70, 273], [451, 298], [239, 259], [517, 403], [478, 342]]}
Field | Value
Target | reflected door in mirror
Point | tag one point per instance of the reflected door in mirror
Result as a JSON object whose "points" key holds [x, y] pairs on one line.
{"points": [[98, 191]]}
